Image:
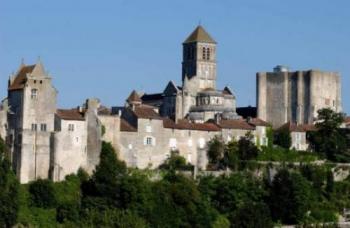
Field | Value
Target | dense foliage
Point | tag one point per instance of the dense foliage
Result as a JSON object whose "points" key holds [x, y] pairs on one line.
{"points": [[328, 140], [115, 196], [8, 190]]}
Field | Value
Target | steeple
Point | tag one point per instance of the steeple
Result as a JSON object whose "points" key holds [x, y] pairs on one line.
{"points": [[199, 35], [199, 60]]}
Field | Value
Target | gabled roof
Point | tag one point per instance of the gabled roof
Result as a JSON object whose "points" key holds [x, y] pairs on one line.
{"points": [[199, 35], [347, 120], [146, 112], [70, 114], [187, 125], [171, 89], [258, 122], [21, 77], [227, 91], [125, 126], [134, 97], [36, 70], [236, 124]]}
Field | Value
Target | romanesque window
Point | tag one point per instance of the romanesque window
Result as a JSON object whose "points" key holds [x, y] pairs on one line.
{"points": [[208, 54], [150, 141], [34, 93], [204, 53], [43, 127], [70, 127], [34, 127]]}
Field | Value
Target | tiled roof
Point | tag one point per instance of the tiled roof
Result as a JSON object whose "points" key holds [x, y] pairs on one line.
{"points": [[347, 120], [103, 110], [125, 126], [21, 77], [70, 114], [199, 35], [134, 97], [235, 124], [258, 122], [146, 112], [186, 125], [293, 127]]}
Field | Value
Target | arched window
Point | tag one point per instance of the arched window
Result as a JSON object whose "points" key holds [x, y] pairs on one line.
{"points": [[208, 54], [204, 55]]}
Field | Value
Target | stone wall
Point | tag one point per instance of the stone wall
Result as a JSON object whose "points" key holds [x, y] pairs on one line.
{"points": [[70, 149], [296, 96]]}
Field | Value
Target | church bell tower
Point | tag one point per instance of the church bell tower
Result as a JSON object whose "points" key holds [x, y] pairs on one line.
{"points": [[199, 61]]}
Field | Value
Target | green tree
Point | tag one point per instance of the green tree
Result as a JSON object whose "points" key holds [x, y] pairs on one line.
{"points": [[228, 193], [289, 197], [283, 138], [247, 150], [231, 156], [176, 162], [102, 190], [42, 194], [178, 203], [328, 139], [216, 149], [9, 187], [252, 215]]}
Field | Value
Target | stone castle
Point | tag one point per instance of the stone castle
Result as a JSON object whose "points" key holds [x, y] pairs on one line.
{"points": [[47, 142]]}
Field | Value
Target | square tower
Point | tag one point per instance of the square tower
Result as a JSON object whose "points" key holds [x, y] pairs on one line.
{"points": [[199, 61]]}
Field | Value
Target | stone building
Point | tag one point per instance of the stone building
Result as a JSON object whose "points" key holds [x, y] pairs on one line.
{"points": [[284, 96], [198, 98], [181, 118], [145, 139], [45, 142]]}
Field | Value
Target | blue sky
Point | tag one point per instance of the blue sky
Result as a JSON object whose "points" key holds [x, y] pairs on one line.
{"points": [[107, 48]]}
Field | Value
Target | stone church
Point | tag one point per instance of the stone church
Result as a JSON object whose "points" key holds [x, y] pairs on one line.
{"points": [[198, 98]]}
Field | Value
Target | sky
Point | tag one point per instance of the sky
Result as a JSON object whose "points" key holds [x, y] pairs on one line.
{"points": [[107, 48]]}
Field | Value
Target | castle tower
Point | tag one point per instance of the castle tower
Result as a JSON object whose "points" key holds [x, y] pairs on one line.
{"points": [[199, 61], [32, 102]]}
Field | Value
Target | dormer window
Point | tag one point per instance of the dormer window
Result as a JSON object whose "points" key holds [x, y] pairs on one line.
{"points": [[34, 93]]}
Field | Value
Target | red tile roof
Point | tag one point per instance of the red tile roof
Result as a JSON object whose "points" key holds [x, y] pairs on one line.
{"points": [[347, 120], [134, 97], [236, 124], [293, 127], [258, 122], [70, 114], [125, 126], [186, 125], [146, 112], [21, 77]]}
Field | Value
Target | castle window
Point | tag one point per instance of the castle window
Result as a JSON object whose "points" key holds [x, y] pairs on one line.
{"points": [[34, 81], [204, 53], [41, 82], [208, 54], [149, 141], [70, 127], [34, 127], [34, 93], [43, 127]]}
